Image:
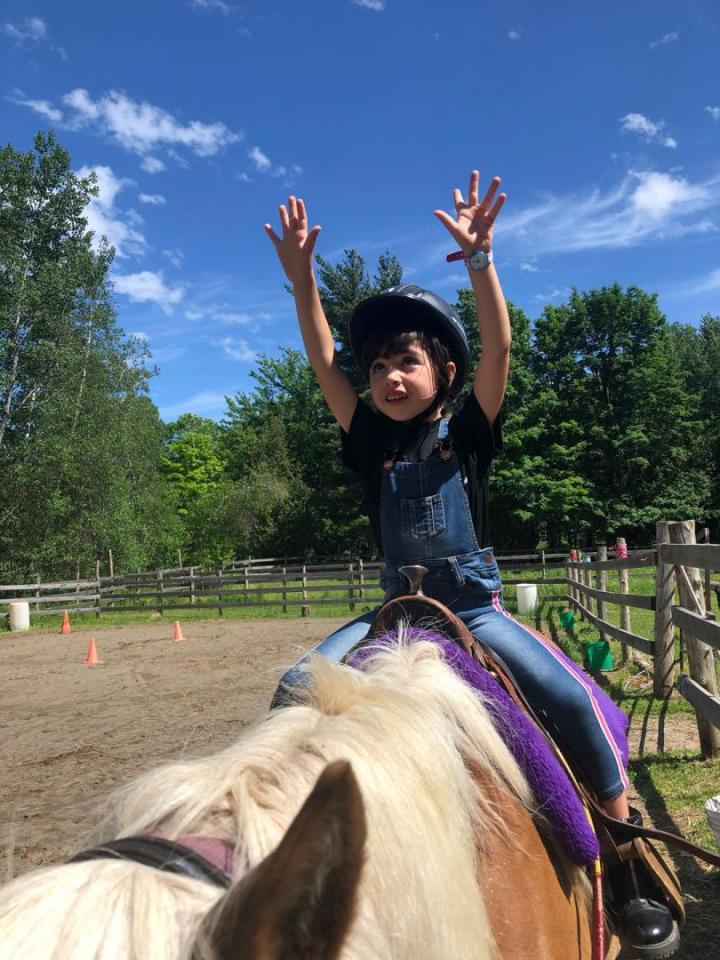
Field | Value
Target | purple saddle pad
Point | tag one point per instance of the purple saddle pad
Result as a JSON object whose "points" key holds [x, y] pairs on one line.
{"points": [[554, 794]]}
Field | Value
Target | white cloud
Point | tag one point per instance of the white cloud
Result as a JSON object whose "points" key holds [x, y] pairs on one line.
{"points": [[154, 199], [263, 164], [142, 128], [205, 404], [152, 165], [140, 335], [31, 30], [234, 319], [176, 257], [261, 161], [218, 5], [43, 107], [195, 314], [104, 218], [513, 35], [376, 5], [527, 267], [648, 129], [659, 193], [244, 177], [664, 40], [714, 112], [148, 287], [645, 206], [708, 283], [237, 349], [555, 295]]}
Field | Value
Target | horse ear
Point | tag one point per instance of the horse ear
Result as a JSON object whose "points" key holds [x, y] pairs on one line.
{"points": [[300, 900]]}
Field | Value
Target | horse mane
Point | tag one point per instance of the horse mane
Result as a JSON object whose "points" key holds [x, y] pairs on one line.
{"points": [[412, 731]]}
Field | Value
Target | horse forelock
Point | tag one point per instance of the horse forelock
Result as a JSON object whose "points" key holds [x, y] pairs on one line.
{"points": [[412, 731]]}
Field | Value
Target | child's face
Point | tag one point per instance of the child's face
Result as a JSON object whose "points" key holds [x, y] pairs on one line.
{"points": [[404, 384]]}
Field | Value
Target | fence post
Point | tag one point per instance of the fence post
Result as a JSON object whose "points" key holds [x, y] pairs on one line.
{"points": [[361, 568], [601, 584], [160, 589], [351, 589], [664, 666], [220, 593], [573, 592], [701, 661], [284, 592], [37, 591], [304, 582], [708, 578], [624, 586], [192, 586], [97, 589], [542, 561]]}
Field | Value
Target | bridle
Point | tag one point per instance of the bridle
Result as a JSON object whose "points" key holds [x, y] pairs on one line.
{"points": [[166, 855]]}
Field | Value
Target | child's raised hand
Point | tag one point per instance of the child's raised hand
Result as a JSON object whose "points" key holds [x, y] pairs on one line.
{"points": [[472, 227], [295, 247]]}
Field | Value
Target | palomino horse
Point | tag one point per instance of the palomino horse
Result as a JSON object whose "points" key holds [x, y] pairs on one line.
{"points": [[453, 864]]}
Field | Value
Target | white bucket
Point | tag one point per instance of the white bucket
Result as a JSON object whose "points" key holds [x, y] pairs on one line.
{"points": [[19, 615], [712, 812], [526, 597]]}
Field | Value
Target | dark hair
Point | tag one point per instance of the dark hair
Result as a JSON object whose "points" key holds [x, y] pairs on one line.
{"points": [[386, 343]]}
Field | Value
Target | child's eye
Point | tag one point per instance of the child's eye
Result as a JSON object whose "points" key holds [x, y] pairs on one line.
{"points": [[410, 360], [377, 367]]}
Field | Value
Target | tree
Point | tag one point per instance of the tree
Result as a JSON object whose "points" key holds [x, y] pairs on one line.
{"points": [[616, 410], [342, 287], [80, 442]]}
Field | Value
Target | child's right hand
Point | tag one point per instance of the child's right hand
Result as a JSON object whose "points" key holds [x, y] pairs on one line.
{"points": [[295, 248]]}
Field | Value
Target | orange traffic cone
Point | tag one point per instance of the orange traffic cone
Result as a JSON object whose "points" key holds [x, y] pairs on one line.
{"points": [[65, 628], [177, 632], [92, 657]]}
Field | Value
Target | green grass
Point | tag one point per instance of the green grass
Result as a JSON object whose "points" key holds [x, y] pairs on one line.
{"points": [[675, 785]]}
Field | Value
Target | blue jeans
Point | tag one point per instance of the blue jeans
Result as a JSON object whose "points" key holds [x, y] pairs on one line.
{"points": [[566, 701]]}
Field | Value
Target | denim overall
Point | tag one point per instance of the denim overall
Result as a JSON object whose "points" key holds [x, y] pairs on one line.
{"points": [[425, 519]]}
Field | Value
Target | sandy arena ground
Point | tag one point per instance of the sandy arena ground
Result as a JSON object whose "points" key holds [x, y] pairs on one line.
{"points": [[70, 733]]}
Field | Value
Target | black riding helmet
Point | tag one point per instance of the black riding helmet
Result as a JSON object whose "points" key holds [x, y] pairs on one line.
{"points": [[409, 307]]}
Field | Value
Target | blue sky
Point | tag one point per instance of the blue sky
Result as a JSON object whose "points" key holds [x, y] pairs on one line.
{"points": [[200, 116]]}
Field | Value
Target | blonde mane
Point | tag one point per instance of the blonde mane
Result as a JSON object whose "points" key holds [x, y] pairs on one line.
{"points": [[412, 731]]}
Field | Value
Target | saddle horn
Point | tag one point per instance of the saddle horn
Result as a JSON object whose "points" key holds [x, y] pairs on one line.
{"points": [[414, 574]]}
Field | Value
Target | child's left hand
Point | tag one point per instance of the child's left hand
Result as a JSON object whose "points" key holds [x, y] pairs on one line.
{"points": [[473, 227]]}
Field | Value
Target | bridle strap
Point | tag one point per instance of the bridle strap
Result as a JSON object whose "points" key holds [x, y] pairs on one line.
{"points": [[166, 855]]}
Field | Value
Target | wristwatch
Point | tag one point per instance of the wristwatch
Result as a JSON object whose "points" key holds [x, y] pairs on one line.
{"points": [[479, 260]]}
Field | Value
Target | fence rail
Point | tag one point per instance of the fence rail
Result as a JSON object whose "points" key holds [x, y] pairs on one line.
{"points": [[582, 595], [259, 583]]}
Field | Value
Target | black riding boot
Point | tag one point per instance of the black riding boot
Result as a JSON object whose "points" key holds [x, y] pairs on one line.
{"points": [[646, 927]]}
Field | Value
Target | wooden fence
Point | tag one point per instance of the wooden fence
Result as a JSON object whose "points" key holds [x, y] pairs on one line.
{"points": [[251, 583], [586, 585], [675, 565]]}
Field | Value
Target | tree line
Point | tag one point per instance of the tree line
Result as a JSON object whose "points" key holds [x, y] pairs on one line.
{"points": [[611, 421]]}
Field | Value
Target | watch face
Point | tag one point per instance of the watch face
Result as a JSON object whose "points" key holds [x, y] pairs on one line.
{"points": [[479, 260]]}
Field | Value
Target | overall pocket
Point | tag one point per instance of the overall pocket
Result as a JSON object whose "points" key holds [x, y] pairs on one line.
{"points": [[422, 518], [480, 573]]}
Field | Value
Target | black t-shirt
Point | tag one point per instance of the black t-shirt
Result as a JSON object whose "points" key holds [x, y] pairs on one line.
{"points": [[373, 439]]}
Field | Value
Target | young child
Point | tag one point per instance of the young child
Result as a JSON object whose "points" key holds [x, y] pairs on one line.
{"points": [[424, 480]]}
